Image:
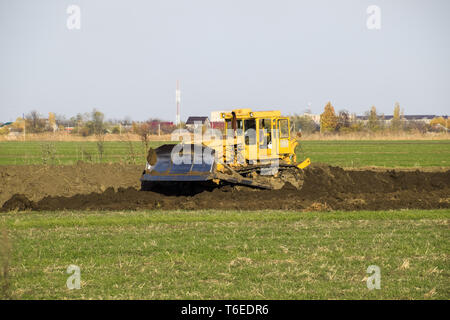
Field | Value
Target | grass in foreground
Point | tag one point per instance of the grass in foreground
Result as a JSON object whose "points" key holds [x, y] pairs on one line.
{"points": [[407, 153], [229, 255]]}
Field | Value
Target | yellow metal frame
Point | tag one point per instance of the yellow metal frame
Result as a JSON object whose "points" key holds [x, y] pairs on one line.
{"points": [[253, 152], [304, 164], [249, 114]]}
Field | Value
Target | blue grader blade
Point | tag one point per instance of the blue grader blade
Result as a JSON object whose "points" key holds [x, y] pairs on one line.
{"points": [[198, 168]]}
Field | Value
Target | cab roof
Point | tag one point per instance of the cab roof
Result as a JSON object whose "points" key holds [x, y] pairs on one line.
{"points": [[249, 114]]}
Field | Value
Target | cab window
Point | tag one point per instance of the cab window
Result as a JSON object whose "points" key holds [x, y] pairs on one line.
{"points": [[250, 131], [265, 133], [284, 128], [239, 124]]}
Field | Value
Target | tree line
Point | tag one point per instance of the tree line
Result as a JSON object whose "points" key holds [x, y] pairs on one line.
{"points": [[329, 122], [86, 124], [343, 122]]}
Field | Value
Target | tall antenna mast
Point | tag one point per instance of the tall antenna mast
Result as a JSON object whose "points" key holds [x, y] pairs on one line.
{"points": [[178, 98]]}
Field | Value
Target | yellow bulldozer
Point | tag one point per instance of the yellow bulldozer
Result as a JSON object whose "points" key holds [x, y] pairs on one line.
{"points": [[256, 148]]}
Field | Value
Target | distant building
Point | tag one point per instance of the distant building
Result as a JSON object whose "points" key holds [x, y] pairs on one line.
{"points": [[314, 117], [155, 123], [14, 133], [216, 116], [5, 124], [217, 122], [195, 122], [414, 117], [218, 125]]}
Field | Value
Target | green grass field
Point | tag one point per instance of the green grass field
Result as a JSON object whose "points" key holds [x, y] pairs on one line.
{"points": [[229, 255], [33, 152], [420, 153], [431, 153]]}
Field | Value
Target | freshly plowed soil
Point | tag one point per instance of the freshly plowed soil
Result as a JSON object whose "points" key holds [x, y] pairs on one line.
{"points": [[116, 187], [39, 181]]}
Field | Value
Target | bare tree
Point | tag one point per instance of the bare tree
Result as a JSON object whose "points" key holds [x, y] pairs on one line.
{"points": [[36, 124], [343, 120]]}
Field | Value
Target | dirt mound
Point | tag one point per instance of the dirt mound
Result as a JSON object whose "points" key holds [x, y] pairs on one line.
{"points": [[325, 188], [18, 202], [38, 181], [330, 179]]}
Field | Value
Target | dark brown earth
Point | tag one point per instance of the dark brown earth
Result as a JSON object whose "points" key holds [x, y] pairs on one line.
{"points": [[116, 187], [39, 181]]}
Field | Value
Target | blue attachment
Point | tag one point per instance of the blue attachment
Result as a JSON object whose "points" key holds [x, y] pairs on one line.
{"points": [[166, 170]]}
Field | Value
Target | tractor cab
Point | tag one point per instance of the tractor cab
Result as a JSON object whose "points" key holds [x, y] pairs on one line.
{"points": [[260, 135]]}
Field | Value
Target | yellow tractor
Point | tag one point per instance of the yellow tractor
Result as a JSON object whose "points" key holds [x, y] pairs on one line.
{"points": [[257, 148]]}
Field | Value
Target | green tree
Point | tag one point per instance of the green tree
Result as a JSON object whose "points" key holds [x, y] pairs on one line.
{"points": [[373, 123], [328, 119], [396, 121], [304, 123], [98, 126]]}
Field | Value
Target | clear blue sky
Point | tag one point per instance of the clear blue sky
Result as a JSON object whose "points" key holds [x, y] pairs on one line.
{"points": [[279, 54]]}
